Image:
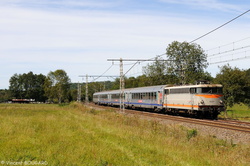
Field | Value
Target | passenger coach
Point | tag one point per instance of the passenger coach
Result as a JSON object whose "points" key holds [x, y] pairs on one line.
{"points": [[144, 97]]}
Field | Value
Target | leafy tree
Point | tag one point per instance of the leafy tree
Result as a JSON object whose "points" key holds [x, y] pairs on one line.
{"points": [[27, 86], [187, 61], [57, 85], [131, 82], [116, 84], [5, 95], [234, 83], [142, 80], [16, 86], [247, 88], [156, 72], [72, 95]]}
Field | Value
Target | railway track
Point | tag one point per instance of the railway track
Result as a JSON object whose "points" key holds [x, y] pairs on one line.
{"points": [[225, 124], [234, 122]]}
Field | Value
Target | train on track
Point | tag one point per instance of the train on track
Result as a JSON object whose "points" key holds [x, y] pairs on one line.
{"points": [[203, 100]]}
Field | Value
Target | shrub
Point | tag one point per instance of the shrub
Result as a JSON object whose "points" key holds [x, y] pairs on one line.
{"points": [[191, 133]]}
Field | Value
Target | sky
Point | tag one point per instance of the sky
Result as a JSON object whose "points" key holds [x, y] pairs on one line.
{"points": [[79, 36]]}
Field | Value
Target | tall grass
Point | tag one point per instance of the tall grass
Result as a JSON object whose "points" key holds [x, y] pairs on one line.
{"points": [[76, 135]]}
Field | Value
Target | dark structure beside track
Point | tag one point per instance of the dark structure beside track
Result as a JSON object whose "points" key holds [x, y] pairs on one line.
{"points": [[22, 100]]}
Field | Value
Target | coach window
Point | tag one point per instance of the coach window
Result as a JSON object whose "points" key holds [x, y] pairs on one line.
{"points": [[192, 90], [137, 96], [143, 96], [154, 96], [166, 91], [115, 96]]}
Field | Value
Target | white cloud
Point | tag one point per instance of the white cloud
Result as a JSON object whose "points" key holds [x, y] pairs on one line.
{"points": [[30, 29], [208, 4], [59, 3]]}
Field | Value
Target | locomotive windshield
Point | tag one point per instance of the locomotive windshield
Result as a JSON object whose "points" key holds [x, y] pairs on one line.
{"points": [[210, 90]]}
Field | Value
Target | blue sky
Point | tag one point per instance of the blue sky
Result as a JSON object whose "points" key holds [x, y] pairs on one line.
{"points": [[80, 35]]}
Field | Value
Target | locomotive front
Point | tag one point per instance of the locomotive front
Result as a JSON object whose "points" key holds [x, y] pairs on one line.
{"points": [[208, 99]]}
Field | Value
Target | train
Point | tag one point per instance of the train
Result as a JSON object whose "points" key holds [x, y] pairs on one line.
{"points": [[201, 100]]}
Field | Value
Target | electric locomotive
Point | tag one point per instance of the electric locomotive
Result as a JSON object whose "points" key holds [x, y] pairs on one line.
{"points": [[202, 100]]}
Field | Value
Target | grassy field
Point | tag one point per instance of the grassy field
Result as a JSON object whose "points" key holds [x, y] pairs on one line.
{"points": [[238, 111], [76, 135]]}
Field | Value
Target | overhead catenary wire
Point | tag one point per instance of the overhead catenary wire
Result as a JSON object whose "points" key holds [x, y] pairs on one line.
{"points": [[219, 27], [103, 73], [210, 31], [229, 60], [131, 67], [231, 43], [226, 57], [224, 52]]}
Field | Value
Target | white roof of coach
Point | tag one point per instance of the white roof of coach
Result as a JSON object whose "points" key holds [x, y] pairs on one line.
{"points": [[195, 86], [135, 90]]}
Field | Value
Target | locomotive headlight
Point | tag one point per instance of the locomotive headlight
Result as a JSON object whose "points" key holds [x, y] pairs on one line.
{"points": [[202, 102], [221, 102]]}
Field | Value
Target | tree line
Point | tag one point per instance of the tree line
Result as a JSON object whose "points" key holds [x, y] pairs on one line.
{"points": [[186, 64], [51, 88]]}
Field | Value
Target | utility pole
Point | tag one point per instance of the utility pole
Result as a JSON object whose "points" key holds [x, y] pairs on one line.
{"points": [[79, 92], [86, 93], [122, 84], [87, 89]]}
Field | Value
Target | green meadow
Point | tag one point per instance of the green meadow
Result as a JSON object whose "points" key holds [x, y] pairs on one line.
{"points": [[238, 111], [77, 135]]}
